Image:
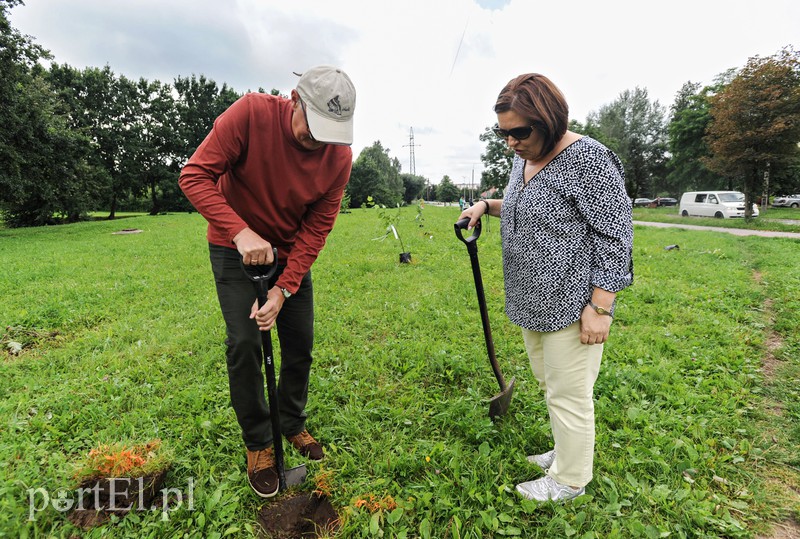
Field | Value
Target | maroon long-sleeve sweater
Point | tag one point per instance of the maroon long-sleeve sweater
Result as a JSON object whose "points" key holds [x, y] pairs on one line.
{"points": [[251, 172]]}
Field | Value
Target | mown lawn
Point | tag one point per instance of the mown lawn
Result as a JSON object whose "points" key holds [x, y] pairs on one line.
{"points": [[122, 340], [778, 219]]}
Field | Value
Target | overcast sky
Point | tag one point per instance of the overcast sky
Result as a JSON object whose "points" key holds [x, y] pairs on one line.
{"points": [[432, 65]]}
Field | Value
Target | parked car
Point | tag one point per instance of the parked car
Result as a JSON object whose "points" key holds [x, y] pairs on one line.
{"points": [[642, 202], [667, 201], [720, 204], [789, 201]]}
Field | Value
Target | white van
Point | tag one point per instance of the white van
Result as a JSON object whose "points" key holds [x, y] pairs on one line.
{"points": [[720, 204]]}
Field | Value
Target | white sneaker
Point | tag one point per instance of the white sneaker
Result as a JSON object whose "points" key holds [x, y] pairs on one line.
{"points": [[547, 488], [543, 461]]}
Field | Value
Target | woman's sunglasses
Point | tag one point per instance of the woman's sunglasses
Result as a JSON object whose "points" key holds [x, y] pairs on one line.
{"points": [[519, 133]]}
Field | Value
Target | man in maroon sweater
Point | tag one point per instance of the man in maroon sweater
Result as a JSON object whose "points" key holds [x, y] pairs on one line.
{"points": [[271, 173]]}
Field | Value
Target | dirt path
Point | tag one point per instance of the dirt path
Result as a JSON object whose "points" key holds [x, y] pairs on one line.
{"points": [[735, 231]]}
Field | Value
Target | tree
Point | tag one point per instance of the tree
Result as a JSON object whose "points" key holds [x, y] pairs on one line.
{"points": [[591, 130], [48, 187], [447, 191], [637, 128], [377, 175], [199, 101], [156, 149], [41, 160], [756, 122], [497, 161], [18, 54], [107, 110], [686, 139], [413, 187]]}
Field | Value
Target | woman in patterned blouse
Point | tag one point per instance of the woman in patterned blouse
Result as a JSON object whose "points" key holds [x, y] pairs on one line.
{"points": [[567, 238]]}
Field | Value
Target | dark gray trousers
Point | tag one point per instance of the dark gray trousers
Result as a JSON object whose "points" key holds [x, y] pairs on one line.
{"points": [[295, 328]]}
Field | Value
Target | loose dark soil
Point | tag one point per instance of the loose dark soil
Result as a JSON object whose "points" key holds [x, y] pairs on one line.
{"points": [[300, 516], [97, 504]]}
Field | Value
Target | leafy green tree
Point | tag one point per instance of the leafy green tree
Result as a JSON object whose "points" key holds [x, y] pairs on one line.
{"points": [[41, 160], [119, 133], [784, 179], [592, 130], [156, 148], [688, 121], [413, 187], [107, 110], [18, 54], [497, 161], [199, 101], [636, 126], [377, 175], [447, 191], [48, 187], [687, 146], [756, 122]]}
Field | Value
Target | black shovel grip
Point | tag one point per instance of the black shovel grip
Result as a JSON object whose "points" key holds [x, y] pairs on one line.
{"points": [[461, 224], [261, 275]]}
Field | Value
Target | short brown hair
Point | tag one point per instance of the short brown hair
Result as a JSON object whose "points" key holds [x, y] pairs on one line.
{"points": [[536, 98]]}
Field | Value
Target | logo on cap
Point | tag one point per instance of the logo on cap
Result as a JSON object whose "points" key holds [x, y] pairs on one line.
{"points": [[334, 106]]}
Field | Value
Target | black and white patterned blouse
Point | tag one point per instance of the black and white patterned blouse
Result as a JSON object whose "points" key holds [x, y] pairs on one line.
{"points": [[566, 231]]}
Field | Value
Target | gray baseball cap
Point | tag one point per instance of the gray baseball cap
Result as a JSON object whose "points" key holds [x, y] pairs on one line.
{"points": [[330, 100]]}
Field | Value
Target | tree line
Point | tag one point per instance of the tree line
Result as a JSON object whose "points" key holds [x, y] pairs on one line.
{"points": [[76, 140], [79, 140], [739, 133]]}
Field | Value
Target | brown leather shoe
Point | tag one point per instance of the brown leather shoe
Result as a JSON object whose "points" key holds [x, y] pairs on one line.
{"points": [[307, 445], [261, 472]]}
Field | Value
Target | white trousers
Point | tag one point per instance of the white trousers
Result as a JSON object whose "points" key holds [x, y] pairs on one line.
{"points": [[566, 371]]}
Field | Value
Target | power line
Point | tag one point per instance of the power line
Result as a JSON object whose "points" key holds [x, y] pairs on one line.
{"points": [[461, 41]]}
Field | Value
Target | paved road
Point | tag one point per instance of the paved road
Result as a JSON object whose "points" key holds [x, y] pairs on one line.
{"points": [[736, 231]]}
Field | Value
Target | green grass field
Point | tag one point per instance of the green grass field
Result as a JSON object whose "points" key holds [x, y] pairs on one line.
{"points": [[120, 339], [778, 219]]}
